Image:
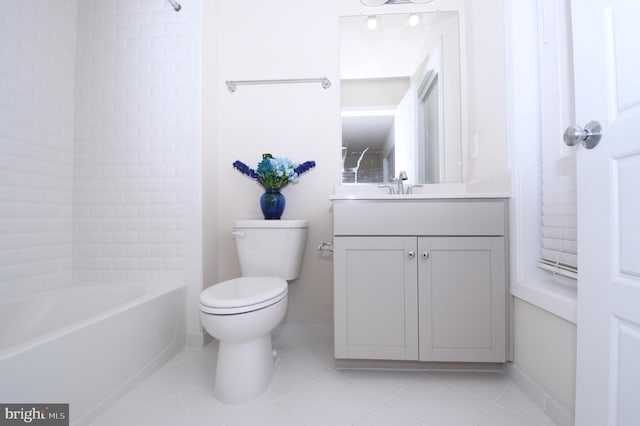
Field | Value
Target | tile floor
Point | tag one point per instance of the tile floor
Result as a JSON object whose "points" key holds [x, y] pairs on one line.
{"points": [[307, 390]]}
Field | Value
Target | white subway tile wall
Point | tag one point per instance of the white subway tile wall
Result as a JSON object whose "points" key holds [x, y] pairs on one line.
{"points": [[99, 143], [137, 141], [37, 78]]}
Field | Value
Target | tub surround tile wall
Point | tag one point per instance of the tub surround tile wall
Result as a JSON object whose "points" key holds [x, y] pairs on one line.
{"points": [[132, 142], [137, 150], [100, 144], [37, 74]]}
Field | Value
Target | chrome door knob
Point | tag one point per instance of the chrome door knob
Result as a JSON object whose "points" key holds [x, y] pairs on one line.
{"points": [[589, 136], [411, 254]]}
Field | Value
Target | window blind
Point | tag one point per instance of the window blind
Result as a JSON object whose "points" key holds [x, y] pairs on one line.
{"points": [[559, 224], [559, 207]]}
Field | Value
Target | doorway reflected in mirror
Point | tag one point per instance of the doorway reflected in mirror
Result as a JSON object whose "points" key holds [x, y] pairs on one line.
{"points": [[401, 98]]}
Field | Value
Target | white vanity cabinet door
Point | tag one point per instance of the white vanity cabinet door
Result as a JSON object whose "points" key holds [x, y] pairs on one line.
{"points": [[461, 295], [376, 298]]}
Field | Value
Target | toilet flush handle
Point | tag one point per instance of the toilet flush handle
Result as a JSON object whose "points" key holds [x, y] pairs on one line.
{"points": [[238, 234]]}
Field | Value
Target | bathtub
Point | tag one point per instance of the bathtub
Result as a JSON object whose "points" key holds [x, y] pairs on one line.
{"points": [[87, 345]]}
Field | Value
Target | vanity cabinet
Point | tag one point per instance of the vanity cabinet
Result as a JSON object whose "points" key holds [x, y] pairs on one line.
{"points": [[431, 287], [375, 298], [462, 299]]}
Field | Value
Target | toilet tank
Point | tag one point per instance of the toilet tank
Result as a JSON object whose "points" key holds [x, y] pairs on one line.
{"points": [[271, 248]]}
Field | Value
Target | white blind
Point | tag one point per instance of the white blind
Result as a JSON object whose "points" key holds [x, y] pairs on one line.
{"points": [[559, 224], [559, 212]]}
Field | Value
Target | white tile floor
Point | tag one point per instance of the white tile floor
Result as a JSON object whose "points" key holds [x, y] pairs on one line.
{"points": [[307, 390]]}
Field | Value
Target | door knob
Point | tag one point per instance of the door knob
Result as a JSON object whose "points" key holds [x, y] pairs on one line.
{"points": [[411, 254], [589, 136]]}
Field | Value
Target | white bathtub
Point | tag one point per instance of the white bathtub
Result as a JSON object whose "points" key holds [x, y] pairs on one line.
{"points": [[87, 345]]}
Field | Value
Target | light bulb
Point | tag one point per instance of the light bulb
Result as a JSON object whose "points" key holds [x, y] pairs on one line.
{"points": [[414, 19]]}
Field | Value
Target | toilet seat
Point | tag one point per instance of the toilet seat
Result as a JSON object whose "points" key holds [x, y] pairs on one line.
{"points": [[241, 295]]}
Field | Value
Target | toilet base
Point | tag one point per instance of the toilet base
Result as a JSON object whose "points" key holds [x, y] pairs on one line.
{"points": [[244, 370], [245, 364]]}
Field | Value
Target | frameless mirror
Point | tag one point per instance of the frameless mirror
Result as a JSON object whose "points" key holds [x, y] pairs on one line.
{"points": [[401, 97]]}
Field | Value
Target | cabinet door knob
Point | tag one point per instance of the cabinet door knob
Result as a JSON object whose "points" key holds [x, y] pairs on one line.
{"points": [[411, 254], [425, 255]]}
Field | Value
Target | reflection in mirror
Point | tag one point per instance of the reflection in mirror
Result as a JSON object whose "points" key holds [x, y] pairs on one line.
{"points": [[401, 98]]}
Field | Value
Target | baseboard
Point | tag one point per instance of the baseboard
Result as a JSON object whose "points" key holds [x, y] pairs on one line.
{"points": [[366, 364], [198, 340], [301, 329], [545, 402]]}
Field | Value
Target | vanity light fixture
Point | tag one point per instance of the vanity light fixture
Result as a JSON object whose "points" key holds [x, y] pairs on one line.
{"points": [[383, 2]]}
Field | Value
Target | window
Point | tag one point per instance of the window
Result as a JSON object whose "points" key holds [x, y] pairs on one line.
{"points": [[559, 213]]}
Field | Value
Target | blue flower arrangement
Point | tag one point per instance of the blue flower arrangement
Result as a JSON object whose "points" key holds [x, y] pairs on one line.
{"points": [[274, 173]]}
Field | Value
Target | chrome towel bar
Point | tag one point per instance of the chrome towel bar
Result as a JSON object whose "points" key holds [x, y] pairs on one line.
{"points": [[232, 84]]}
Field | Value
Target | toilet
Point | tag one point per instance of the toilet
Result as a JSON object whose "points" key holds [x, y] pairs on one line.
{"points": [[241, 313]]}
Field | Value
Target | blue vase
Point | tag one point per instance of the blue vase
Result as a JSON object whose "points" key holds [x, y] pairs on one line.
{"points": [[272, 203]]}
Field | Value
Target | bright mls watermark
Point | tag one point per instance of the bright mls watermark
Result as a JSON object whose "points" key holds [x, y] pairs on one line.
{"points": [[34, 414]]}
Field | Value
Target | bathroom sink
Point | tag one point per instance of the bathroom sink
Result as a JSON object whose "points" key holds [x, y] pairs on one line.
{"points": [[424, 192], [423, 196]]}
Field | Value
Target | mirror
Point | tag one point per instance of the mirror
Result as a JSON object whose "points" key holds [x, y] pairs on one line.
{"points": [[401, 97]]}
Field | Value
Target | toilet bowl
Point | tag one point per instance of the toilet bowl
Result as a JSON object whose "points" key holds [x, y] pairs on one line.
{"points": [[241, 313]]}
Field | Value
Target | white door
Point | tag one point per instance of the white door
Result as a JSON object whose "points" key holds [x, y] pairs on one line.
{"points": [[606, 36]]}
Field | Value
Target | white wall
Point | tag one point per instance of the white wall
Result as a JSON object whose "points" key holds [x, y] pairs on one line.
{"points": [[137, 150], [37, 72], [293, 39], [545, 351], [277, 40], [442, 52], [407, 154], [487, 161], [374, 93]]}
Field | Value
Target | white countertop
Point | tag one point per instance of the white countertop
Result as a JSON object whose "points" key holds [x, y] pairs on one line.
{"points": [[424, 196], [449, 191]]}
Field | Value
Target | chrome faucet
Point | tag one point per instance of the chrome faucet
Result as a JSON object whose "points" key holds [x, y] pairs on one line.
{"points": [[401, 178], [389, 187], [410, 189], [400, 182]]}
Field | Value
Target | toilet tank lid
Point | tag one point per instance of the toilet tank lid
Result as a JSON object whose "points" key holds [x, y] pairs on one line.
{"points": [[260, 223]]}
